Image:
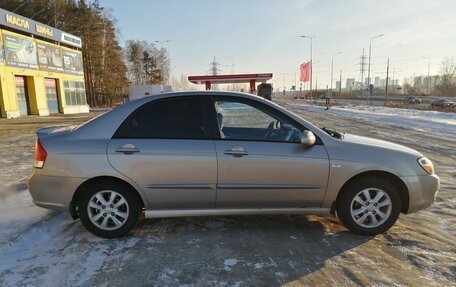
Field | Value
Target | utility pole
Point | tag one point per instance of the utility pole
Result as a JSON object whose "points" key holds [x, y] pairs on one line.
{"points": [[362, 68], [428, 77], [387, 74], [332, 66], [214, 67], [340, 84], [369, 67]]}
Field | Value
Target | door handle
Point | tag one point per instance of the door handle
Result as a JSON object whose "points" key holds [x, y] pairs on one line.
{"points": [[127, 149], [236, 152]]}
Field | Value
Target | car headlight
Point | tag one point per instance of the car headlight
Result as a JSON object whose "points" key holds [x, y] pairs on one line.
{"points": [[426, 164]]}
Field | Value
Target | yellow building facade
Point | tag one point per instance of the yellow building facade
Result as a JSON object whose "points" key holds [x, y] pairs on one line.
{"points": [[41, 69]]}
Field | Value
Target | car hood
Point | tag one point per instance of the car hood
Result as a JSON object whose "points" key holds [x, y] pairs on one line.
{"points": [[371, 142]]}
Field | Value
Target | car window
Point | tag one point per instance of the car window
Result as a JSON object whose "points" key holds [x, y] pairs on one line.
{"points": [[243, 121], [176, 118]]}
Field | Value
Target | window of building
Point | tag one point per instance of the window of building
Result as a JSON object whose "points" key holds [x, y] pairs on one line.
{"points": [[74, 93]]}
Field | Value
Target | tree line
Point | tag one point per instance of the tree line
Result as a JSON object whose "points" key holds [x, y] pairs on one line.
{"points": [[146, 64]]}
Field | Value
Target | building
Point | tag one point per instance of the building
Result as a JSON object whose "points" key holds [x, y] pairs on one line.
{"points": [[376, 82], [350, 84], [141, 91], [41, 69]]}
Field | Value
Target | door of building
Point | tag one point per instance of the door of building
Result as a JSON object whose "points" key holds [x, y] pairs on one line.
{"points": [[22, 95], [51, 95]]}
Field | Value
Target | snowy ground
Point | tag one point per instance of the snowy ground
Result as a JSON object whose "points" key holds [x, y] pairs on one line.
{"points": [[432, 123], [45, 248]]}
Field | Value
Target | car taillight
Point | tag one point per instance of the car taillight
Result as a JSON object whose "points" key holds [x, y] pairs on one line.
{"points": [[40, 155]]}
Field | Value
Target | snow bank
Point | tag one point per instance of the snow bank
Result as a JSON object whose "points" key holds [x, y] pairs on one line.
{"points": [[432, 123]]}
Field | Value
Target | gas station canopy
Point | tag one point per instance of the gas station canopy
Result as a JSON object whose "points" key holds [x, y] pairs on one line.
{"points": [[235, 78]]}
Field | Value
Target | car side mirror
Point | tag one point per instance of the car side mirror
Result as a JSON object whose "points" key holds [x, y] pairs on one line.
{"points": [[308, 138]]}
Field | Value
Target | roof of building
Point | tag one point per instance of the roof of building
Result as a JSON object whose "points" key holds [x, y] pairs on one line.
{"points": [[233, 78]]}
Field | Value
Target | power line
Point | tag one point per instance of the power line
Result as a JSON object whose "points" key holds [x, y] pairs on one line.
{"points": [[20, 6]]}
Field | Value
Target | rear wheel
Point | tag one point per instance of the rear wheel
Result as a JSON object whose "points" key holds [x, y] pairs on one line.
{"points": [[369, 206], [109, 210]]}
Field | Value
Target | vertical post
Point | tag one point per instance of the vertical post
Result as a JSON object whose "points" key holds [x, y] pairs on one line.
{"points": [[340, 84], [311, 69], [429, 78], [387, 74], [332, 65], [252, 86], [369, 67], [368, 73], [208, 85]]}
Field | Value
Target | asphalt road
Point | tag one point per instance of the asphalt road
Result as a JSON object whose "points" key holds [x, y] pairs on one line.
{"points": [[45, 248]]}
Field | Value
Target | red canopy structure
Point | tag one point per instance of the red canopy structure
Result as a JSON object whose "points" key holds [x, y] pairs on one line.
{"points": [[227, 79]]}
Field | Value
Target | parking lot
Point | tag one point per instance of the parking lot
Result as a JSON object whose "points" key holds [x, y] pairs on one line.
{"points": [[44, 248]]}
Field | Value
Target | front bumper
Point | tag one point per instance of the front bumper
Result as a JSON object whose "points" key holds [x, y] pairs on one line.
{"points": [[422, 191], [53, 192]]}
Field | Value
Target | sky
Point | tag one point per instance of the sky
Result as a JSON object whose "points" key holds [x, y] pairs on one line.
{"points": [[261, 36]]}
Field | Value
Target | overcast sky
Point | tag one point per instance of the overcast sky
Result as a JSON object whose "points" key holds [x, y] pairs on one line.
{"points": [[263, 35]]}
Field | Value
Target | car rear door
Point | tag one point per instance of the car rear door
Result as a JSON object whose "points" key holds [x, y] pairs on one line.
{"points": [[165, 147], [261, 162]]}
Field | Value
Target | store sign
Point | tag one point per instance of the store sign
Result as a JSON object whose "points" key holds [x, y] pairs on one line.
{"points": [[44, 30], [50, 57], [20, 51], [71, 40], [16, 21], [72, 62]]}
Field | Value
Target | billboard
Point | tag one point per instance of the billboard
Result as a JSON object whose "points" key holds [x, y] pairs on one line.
{"points": [[50, 57], [20, 51], [15, 21], [1, 50], [72, 62]]}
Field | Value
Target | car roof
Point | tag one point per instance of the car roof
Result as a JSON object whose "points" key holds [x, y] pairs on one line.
{"points": [[195, 93]]}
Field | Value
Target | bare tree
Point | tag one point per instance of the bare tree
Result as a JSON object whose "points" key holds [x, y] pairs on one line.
{"points": [[446, 85]]}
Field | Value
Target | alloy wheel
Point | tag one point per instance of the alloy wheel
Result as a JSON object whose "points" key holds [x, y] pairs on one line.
{"points": [[371, 207], [108, 210]]}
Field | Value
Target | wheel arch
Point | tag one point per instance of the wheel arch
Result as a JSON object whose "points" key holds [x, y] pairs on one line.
{"points": [[400, 185], [99, 179]]}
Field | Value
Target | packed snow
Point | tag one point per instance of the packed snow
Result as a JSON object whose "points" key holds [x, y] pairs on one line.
{"points": [[432, 123]]}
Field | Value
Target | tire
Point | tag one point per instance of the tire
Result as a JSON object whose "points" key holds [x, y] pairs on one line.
{"points": [[373, 215], [109, 217]]}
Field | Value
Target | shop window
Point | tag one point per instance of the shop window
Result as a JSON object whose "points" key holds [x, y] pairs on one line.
{"points": [[74, 93]]}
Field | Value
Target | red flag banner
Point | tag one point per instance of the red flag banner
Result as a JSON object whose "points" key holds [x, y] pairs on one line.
{"points": [[305, 72]]}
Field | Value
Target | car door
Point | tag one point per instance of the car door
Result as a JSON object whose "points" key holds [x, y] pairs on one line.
{"points": [[261, 161], [165, 147]]}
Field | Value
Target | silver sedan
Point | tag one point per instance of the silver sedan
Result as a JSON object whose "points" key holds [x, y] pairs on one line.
{"points": [[219, 153]]}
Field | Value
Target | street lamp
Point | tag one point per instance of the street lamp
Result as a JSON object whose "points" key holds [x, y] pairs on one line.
{"points": [[311, 65], [369, 66], [332, 65], [428, 77]]}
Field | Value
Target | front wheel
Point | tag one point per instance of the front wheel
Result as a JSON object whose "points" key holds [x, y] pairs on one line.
{"points": [[109, 210], [369, 206]]}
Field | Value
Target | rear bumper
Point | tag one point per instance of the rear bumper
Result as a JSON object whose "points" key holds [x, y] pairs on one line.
{"points": [[53, 192], [422, 191]]}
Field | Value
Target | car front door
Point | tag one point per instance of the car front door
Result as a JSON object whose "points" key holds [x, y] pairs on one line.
{"points": [[165, 147], [261, 161]]}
